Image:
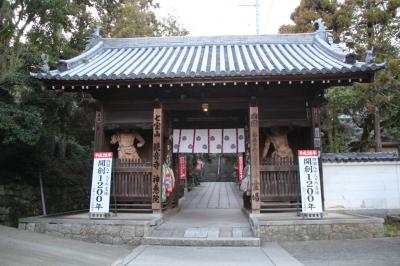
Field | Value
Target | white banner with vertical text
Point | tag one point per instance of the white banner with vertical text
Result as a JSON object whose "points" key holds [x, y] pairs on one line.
{"points": [[310, 184], [101, 185]]}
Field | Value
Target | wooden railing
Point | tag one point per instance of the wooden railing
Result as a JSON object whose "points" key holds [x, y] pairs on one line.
{"points": [[131, 182], [279, 181]]}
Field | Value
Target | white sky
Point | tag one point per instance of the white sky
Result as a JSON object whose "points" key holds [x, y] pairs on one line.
{"points": [[228, 17]]}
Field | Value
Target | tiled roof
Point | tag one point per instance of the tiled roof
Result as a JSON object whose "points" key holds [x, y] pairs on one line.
{"points": [[360, 157], [209, 57]]}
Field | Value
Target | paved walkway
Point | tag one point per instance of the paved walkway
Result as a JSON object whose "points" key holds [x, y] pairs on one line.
{"points": [[19, 247], [271, 254], [211, 210], [365, 252], [214, 195]]}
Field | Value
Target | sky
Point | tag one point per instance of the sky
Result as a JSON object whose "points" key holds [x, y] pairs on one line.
{"points": [[228, 17]]}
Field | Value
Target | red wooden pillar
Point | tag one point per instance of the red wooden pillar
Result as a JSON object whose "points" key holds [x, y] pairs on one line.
{"points": [[157, 159], [254, 159], [99, 130]]}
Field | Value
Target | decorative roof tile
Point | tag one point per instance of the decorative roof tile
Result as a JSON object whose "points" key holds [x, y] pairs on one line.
{"points": [[208, 57], [360, 157]]}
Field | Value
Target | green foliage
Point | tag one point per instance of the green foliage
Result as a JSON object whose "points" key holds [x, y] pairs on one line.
{"points": [[360, 25], [19, 123], [45, 131], [332, 12], [136, 18], [391, 228]]}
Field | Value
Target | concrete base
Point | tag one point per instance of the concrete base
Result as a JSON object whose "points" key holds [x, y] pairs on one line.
{"points": [[123, 229], [290, 227], [224, 228]]}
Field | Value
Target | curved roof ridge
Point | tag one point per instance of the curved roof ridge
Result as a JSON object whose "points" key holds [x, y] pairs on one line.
{"points": [[208, 40], [276, 54], [86, 55]]}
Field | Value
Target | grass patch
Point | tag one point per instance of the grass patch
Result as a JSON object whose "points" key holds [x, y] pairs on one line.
{"points": [[391, 228]]}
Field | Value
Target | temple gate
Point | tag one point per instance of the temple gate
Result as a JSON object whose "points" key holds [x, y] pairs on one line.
{"points": [[270, 85]]}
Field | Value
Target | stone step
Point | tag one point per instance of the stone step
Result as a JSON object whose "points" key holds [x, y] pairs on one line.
{"points": [[195, 241], [203, 232]]}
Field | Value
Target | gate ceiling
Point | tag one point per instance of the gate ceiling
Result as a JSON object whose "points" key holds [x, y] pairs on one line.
{"points": [[228, 140]]}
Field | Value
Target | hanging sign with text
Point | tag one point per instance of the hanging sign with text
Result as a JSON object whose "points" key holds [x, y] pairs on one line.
{"points": [[310, 184], [182, 168], [240, 167], [101, 184]]}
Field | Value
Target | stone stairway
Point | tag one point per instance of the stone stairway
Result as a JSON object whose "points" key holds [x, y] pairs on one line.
{"points": [[203, 236]]}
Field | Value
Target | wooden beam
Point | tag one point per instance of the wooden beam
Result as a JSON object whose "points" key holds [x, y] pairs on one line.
{"points": [[157, 159], [364, 76], [254, 159], [285, 123]]}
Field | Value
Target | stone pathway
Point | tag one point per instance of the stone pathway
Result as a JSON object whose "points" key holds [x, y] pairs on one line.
{"points": [[19, 247], [269, 255], [210, 215], [214, 195]]}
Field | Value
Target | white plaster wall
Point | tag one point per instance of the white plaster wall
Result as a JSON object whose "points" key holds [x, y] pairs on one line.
{"points": [[366, 185]]}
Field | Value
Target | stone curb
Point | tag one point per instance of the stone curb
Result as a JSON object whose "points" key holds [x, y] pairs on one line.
{"points": [[279, 256], [188, 241], [130, 257]]}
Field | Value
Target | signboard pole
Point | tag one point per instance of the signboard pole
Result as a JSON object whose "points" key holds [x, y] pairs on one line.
{"points": [[101, 183], [310, 184]]}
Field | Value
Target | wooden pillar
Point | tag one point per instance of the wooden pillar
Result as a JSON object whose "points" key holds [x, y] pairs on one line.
{"points": [[254, 159], [99, 130], [316, 126], [157, 159], [316, 138]]}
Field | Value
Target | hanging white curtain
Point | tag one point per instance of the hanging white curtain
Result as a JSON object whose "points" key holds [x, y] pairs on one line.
{"points": [[229, 140]]}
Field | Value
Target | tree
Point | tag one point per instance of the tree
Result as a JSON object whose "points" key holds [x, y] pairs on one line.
{"points": [[375, 27], [32, 117], [136, 18], [334, 14], [361, 25]]}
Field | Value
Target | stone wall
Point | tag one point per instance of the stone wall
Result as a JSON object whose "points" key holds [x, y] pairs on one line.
{"points": [[303, 230], [103, 231], [19, 200], [319, 232]]}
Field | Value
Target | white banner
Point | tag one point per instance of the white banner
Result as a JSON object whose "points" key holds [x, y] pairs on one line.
{"points": [[229, 140], [101, 185], [186, 141], [310, 184], [176, 137], [201, 141], [241, 140], [215, 140]]}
